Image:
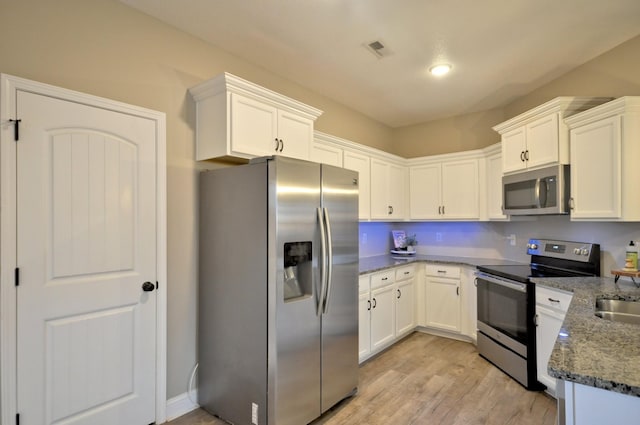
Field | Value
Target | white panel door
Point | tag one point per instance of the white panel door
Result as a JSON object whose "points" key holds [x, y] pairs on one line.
{"points": [[254, 127], [425, 192], [596, 170], [542, 141], [460, 189], [295, 134], [514, 146], [86, 216]]}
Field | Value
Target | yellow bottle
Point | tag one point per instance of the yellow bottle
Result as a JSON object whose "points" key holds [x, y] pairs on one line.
{"points": [[631, 259]]}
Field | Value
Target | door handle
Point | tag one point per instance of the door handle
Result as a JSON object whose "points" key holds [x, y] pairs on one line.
{"points": [[522, 156], [281, 145], [369, 307], [399, 294], [277, 144], [148, 286], [375, 303]]}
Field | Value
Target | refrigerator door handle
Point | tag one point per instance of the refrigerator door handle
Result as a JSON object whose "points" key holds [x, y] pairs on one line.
{"points": [[323, 262], [327, 223]]}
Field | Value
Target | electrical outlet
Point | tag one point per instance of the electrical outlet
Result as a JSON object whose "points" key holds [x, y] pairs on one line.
{"points": [[438, 237], [512, 239], [254, 414], [365, 239]]}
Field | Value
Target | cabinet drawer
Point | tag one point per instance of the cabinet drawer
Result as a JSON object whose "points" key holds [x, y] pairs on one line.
{"points": [[363, 283], [405, 272], [441, 270], [382, 279], [553, 298]]}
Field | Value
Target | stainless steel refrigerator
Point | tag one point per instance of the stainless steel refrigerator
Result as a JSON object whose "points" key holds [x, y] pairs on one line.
{"points": [[278, 296]]}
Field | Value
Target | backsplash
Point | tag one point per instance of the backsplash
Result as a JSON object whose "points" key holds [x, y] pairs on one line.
{"points": [[491, 239]]}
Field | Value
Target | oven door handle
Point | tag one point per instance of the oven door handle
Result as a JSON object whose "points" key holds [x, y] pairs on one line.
{"points": [[517, 286]]}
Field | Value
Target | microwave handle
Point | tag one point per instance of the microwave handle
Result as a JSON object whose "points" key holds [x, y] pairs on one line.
{"points": [[537, 193]]}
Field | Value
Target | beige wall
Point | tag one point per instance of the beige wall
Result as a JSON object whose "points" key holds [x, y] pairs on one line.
{"points": [[104, 48], [459, 133], [615, 73]]}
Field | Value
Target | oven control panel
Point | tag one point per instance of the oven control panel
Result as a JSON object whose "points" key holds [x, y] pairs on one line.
{"points": [[577, 251]]}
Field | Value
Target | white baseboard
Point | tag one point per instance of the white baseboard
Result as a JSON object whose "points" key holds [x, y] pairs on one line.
{"points": [[181, 405]]}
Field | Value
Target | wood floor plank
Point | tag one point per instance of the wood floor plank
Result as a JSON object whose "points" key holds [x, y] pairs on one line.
{"points": [[426, 379]]}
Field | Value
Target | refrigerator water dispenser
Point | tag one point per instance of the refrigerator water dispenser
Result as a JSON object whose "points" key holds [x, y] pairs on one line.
{"points": [[297, 270]]}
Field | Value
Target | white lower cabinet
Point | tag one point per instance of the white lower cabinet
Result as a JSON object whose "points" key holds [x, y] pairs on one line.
{"points": [[405, 300], [585, 405], [469, 303], [364, 318], [551, 308], [386, 308], [382, 317], [443, 297]]}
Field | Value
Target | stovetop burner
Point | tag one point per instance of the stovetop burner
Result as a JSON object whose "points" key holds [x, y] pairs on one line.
{"points": [[551, 258]]}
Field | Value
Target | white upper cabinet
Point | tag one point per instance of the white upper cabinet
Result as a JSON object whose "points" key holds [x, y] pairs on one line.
{"points": [[493, 193], [445, 189], [605, 152], [239, 119], [325, 152], [539, 136], [388, 183], [362, 164]]}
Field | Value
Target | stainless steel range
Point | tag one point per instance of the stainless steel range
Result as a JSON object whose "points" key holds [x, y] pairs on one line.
{"points": [[506, 303]]}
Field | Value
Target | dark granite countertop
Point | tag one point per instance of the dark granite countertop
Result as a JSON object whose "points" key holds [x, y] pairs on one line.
{"points": [[596, 352], [381, 262]]}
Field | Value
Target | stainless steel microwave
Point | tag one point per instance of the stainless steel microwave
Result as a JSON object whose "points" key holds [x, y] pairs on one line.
{"points": [[537, 192]]}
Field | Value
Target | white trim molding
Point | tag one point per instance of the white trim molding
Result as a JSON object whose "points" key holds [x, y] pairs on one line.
{"points": [[181, 405], [9, 86]]}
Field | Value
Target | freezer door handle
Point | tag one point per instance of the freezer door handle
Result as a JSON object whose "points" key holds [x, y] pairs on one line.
{"points": [[329, 243], [323, 261]]}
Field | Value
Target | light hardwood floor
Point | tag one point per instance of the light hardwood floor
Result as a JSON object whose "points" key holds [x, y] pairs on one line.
{"points": [[426, 379]]}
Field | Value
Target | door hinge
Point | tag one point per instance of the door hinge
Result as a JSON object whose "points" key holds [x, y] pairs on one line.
{"points": [[16, 129], [17, 276]]}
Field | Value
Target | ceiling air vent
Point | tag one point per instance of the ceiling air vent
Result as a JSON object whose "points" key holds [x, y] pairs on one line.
{"points": [[378, 49]]}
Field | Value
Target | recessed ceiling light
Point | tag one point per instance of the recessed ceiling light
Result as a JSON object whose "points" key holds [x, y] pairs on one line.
{"points": [[440, 69]]}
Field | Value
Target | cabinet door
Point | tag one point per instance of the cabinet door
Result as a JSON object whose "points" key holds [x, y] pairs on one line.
{"points": [[382, 316], [514, 145], [253, 127], [405, 302], [296, 135], [596, 170], [542, 141], [460, 181], [325, 154], [380, 206], [425, 192], [494, 188], [361, 164], [396, 191], [549, 323], [469, 303], [364, 326], [443, 304]]}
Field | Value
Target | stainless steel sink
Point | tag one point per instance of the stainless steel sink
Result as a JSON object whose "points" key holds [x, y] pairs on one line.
{"points": [[618, 310]]}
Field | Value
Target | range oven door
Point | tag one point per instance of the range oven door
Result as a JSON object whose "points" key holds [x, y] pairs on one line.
{"points": [[502, 311]]}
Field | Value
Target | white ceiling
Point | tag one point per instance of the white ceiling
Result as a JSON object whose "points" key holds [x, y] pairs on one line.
{"points": [[499, 49]]}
